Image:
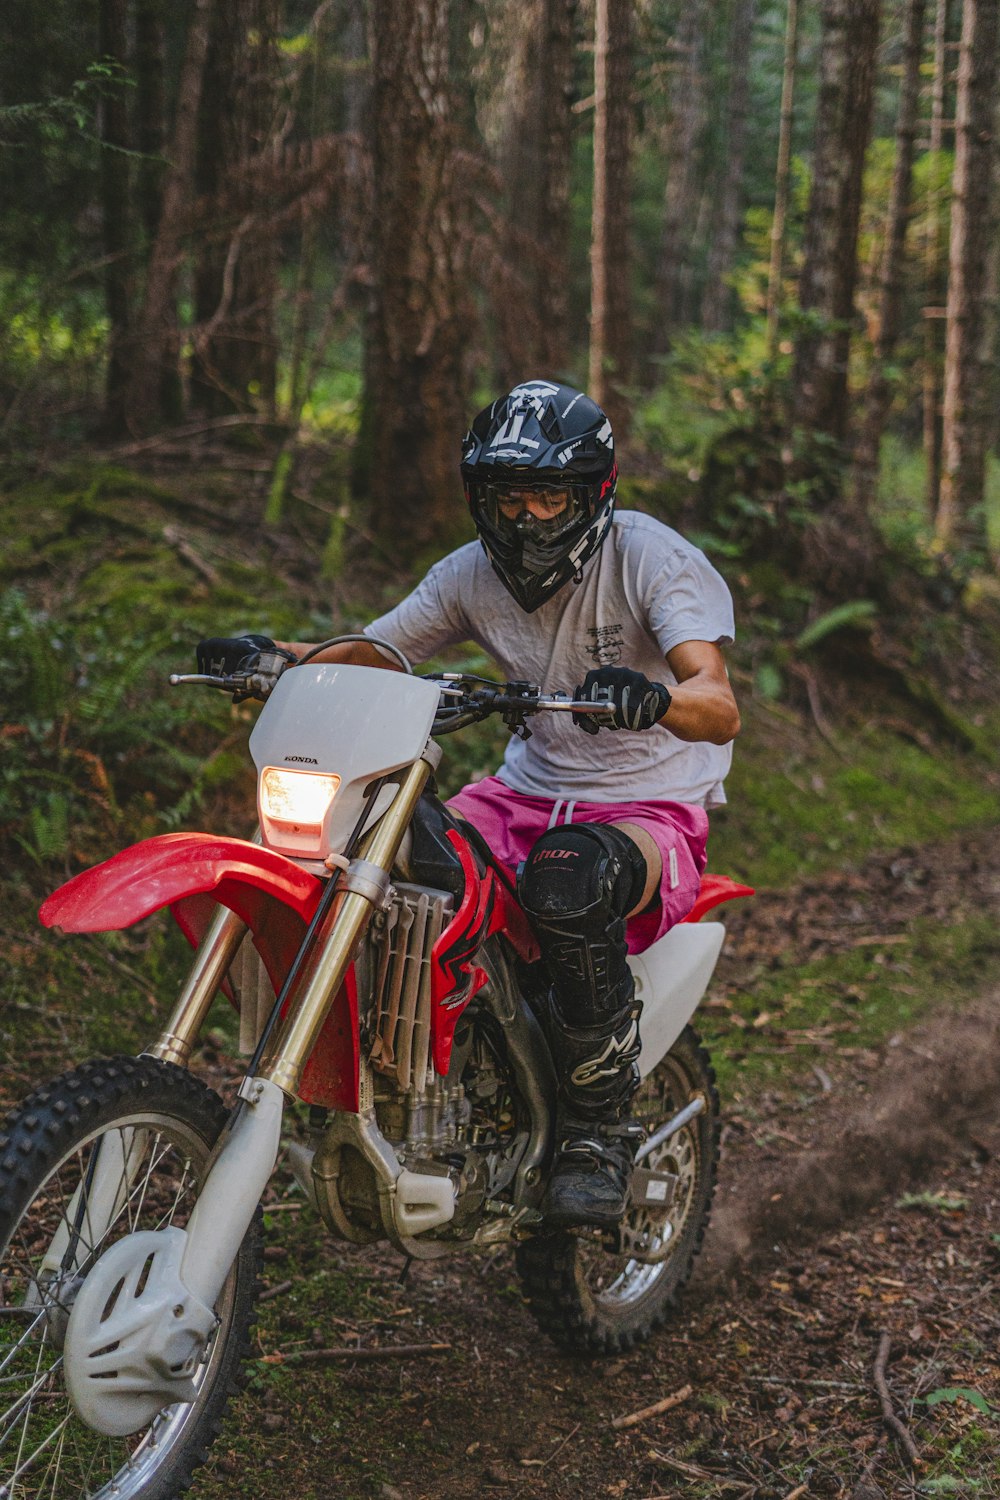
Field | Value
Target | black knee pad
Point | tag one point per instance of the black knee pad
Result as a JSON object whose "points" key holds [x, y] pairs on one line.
{"points": [[577, 886]]}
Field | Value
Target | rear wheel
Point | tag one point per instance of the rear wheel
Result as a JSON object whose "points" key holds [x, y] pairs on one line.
{"points": [[604, 1294], [61, 1207]]}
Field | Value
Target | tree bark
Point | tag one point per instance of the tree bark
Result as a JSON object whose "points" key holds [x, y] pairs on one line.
{"points": [[829, 270], [968, 335], [235, 346], [533, 316], [610, 310], [153, 350], [113, 44], [935, 280], [150, 111], [878, 397], [683, 127], [716, 307], [415, 386], [782, 177]]}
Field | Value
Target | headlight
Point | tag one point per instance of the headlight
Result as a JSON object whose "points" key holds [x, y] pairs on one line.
{"points": [[297, 801]]}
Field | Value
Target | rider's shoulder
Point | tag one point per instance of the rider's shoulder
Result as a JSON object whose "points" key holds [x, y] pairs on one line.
{"points": [[637, 534]]}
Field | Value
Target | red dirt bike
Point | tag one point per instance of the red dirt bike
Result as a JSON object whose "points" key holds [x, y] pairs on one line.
{"points": [[386, 977]]}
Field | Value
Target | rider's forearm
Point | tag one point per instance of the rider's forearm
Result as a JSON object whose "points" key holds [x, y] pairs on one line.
{"points": [[702, 711], [352, 653]]}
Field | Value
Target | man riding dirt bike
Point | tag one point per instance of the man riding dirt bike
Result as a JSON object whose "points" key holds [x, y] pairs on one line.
{"points": [[608, 835], [466, 1038]]}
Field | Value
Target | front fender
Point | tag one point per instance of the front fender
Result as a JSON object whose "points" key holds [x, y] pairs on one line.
{"points": [[192, 873], [163, 870]]}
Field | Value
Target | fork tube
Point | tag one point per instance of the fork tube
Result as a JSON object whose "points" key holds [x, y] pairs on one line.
{"points": [[216, 953], [287, 1054]]}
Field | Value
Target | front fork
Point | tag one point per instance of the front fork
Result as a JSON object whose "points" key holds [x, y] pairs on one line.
{"points": [[245, 1159], [192, 1264]]}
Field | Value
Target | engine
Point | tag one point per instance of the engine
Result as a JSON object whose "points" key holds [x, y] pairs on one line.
{"points": [[482, 1127]]}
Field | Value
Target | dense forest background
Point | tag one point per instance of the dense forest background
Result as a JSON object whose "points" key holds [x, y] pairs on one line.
{"points": [[260, 262], [352, 224]]}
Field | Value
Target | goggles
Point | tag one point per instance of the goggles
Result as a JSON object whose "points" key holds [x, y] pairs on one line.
{"points": [[539, 510]]}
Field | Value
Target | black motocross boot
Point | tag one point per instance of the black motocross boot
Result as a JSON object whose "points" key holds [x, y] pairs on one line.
{"points": [[595, 1142], [577, 886]]}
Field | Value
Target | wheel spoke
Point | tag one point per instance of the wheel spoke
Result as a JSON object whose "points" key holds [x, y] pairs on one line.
{"points": [[112, 1163], [22, 1467], [22, 1340]]}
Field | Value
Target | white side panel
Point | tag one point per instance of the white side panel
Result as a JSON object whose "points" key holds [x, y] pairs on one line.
{"points": [[670, 979], [356, 722]]}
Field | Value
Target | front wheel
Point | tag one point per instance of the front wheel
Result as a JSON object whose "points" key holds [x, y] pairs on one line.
{"points": [[590, 1296], [115, 1147]]}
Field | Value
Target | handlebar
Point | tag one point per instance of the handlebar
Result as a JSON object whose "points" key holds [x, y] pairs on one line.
{"points": [[467, 699], [477, 698]]}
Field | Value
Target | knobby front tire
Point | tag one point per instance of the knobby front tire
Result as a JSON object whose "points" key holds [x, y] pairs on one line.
{"points": [[164, 1123], [588, 1299]]}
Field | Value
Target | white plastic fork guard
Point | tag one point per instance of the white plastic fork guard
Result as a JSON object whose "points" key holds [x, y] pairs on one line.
{"points": [[142, 1319]]}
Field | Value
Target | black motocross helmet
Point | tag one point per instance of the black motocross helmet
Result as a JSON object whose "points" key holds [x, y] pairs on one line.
{"points": [[547, 447]]}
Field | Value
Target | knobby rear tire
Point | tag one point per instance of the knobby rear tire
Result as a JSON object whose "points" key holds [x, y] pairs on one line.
{"points": [[45, 1147], [590, 1300]]}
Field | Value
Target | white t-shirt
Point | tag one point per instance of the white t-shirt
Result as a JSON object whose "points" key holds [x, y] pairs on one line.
{"points": [[644, 592]]}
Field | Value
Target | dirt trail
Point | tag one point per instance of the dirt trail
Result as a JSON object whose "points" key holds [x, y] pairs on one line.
{"points": [[935, 1095]]}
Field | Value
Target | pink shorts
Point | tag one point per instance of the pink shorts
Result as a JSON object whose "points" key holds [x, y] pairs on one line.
{"points": [[510, 822]]}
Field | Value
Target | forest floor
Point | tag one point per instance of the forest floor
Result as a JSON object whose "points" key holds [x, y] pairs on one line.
{"points": [[858, 1208]]}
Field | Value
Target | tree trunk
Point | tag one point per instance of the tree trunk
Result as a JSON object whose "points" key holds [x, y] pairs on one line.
{"points": [[415, 388], [683, 127], [968, 336], [533, 316], [716, 307], [610, 309], [936, 290], [878, 397], [782, 177], [150, 122], [113, 45], [829, 270], [153, 350], [235, 346]]}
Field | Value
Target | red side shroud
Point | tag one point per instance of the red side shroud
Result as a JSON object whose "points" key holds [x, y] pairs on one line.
{"points": [[714, 890], [487, 906], [192, 873]]}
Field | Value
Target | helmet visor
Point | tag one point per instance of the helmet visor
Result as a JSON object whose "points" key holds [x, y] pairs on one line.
{"points": [[538, 512]]}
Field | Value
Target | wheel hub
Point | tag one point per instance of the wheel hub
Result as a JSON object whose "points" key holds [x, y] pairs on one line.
{"points": [[135, 1335]]}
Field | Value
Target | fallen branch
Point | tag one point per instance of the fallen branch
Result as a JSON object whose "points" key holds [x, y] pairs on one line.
{"points": [[560, 1446], [381, 1351], [790, 1380], [184, 549], [666, 1404], [275, 1291], [889, 1417], [685, 1470]]}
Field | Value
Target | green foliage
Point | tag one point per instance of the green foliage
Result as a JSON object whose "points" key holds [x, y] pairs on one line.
{"points": [[859, 612], [796, 808], [955, 1393], [96, 749], [942, 1203]]}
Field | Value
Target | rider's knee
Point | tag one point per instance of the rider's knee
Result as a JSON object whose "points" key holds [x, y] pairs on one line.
{"points": [[586, 869]]}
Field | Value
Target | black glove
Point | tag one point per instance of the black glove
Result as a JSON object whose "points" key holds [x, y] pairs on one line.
{"points": [[633, 701], [223, 656], [254, 657]]}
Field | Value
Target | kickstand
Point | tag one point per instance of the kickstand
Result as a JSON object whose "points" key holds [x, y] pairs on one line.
{"points": [[408, 1262]]}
